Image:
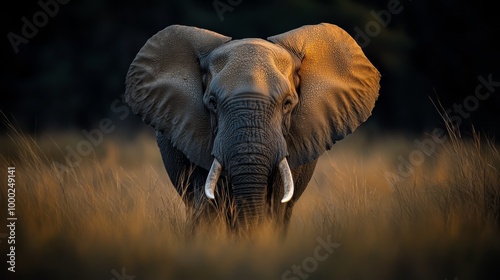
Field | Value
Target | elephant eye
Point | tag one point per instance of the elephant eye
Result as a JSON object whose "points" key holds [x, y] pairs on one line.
{"points": [[287, 104], [212, 103]]}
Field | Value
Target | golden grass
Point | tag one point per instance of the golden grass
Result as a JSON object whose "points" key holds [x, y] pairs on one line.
{"points": [[118, 209]]}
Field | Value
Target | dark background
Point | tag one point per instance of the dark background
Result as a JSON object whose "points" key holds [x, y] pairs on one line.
{"points": [[70, 72]]}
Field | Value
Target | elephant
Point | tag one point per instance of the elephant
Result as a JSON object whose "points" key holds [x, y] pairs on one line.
{"points": [[242, 123]]}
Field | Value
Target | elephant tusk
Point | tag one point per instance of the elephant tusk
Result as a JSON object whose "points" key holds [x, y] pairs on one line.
{"points": [[212, 178], [286, 176]]}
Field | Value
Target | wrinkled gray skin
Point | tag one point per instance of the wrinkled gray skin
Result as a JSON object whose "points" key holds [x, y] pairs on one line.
{"points": [[249, 104]]}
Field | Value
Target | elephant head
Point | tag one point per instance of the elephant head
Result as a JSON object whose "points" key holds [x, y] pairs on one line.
{"points": [[253, 108]]}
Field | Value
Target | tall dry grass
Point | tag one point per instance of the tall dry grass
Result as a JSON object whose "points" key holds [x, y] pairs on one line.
{"points": [[117, 209]]}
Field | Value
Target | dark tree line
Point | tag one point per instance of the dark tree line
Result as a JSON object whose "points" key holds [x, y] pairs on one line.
{"points": [[64, 62]]}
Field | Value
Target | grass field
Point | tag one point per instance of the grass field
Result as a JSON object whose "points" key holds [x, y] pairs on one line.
{"points": [[114, 215]]}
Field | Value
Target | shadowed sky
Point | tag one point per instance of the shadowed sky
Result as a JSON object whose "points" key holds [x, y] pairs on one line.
{"points": [[68, 67]]}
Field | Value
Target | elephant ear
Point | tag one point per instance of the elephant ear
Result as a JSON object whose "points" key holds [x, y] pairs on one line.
{"points": [[337, 90], [164, 86]]}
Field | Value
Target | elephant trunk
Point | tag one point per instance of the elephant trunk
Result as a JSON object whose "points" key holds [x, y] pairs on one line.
{"points": [[250, 149], [249, 178], [249, 172]]}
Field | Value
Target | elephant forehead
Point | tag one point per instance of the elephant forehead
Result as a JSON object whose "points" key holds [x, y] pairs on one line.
{"points": [[251, 65]]}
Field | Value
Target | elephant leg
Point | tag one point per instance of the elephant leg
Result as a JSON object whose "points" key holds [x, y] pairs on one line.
{"points": [[205, 213], [188, 180], [302, 175], [179, 168], [281, 213]]}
